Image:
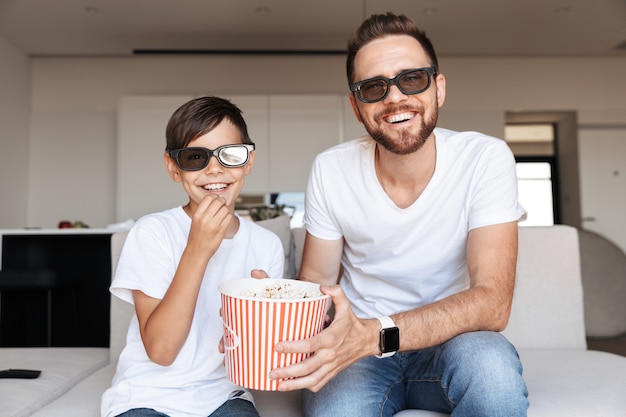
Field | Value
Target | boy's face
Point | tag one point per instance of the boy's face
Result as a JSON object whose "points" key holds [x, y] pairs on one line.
{"points": [[214, 178]]}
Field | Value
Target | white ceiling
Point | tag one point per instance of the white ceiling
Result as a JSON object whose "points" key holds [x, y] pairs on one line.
{"points": [[456, 27]]}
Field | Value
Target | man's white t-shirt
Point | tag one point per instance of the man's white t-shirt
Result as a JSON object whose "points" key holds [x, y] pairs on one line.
{"points": [[399, 259], [196, 383]]}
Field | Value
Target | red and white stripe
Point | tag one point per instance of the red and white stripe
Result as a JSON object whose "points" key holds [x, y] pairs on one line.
{"points": [[252, 327]]}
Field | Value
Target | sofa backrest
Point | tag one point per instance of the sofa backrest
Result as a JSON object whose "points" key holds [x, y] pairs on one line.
{"points": [[548, 310], [281, 227], [121, 311]]}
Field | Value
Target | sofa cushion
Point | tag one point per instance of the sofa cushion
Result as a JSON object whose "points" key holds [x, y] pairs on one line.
{"points": [[83, 400], [575, 383], [278, 404], [61, 369], [560, 382]]}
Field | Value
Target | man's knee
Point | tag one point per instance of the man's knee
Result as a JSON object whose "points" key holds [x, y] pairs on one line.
{"points": [[485, 365], [481, 349]]}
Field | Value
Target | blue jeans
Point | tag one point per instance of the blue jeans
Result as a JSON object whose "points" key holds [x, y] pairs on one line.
{"points": [[473, 374], [231, 408]]}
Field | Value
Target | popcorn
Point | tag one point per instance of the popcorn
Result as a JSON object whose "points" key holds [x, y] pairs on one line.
{"points": [[280, 291]]}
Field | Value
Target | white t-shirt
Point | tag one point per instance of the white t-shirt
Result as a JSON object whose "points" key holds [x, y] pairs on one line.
{"points": [[196, 383], [398, 259]]}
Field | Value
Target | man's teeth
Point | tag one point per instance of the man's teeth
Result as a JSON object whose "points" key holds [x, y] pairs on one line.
{"points": [[215, 187], [397, 118]]}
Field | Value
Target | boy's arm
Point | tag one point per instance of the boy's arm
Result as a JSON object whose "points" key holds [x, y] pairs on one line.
{"points": [[164, 324]]}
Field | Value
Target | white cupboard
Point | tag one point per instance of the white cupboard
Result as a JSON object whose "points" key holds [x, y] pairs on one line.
{"points": [[143, 184]]}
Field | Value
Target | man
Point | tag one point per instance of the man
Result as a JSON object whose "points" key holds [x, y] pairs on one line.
{"points": [[422, 224]]}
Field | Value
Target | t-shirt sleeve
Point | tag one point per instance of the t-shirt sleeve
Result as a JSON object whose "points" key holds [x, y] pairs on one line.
{"points": [[494, 199], [318, 219], [144, 263]]}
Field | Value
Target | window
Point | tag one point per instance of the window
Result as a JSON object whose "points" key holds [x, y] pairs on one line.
{"points": [[534, 181]]}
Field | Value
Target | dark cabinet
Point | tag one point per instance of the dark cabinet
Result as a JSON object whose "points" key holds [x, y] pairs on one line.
{"points": [[74, 310]]}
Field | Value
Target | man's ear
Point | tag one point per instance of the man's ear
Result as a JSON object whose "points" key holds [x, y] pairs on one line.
{"points": [[441, 89], [355, 109], [172, 167]]}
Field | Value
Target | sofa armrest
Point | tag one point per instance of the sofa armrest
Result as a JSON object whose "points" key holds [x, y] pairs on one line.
{"points": [[548, 310]]}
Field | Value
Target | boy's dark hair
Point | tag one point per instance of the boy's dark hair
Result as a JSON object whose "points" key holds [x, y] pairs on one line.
{"points": [[199, 116], [381, 25]]}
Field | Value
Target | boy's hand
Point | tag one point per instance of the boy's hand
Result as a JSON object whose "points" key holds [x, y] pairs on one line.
{"points": [[209, 223], [258, 274]]}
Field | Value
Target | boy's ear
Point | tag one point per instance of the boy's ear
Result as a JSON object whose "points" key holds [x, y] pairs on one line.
{"points": [[172, 167], [250, 164]]}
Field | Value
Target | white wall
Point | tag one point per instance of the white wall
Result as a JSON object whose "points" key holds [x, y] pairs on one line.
{"points": [[15, 83], [603, 153], [75, 102]]}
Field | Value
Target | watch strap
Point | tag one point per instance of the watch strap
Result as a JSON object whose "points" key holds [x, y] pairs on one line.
{"points": [[386, 322]]}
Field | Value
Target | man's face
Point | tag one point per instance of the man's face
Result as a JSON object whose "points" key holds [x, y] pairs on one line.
{"points": [[400, 123]]}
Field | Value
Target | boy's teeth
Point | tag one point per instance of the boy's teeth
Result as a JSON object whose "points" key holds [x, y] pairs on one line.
{"points": [[213, 187]]}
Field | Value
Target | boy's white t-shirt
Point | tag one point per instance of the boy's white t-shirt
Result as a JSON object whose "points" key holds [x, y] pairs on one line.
{"points": [[196, 383], [399, 259]]}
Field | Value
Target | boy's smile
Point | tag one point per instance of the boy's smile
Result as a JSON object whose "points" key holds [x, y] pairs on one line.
{"points": [[215, 187]]}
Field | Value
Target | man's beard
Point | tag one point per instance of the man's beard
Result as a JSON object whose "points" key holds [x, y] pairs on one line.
{"points": [[408, 142]]}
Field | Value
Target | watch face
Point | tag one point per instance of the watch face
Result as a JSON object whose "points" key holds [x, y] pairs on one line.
{"points": [[390, 339]]}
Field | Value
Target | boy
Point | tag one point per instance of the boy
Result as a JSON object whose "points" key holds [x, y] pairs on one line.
{"points": [[172, 264]]}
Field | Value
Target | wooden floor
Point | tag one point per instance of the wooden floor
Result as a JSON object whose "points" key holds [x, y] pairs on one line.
{"points": [[613, 345]]}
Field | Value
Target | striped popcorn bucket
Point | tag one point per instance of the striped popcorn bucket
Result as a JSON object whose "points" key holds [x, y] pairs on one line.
{"points": [[253, 324]]}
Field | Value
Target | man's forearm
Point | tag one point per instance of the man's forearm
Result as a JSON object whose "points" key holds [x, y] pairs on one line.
{"points": [[471, 310]]}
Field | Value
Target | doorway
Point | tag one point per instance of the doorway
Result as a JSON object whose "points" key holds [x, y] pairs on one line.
{"points": [[545, 145]]}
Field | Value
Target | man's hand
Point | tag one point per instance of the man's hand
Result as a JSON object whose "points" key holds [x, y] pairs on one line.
{"points": [[345, 341]]}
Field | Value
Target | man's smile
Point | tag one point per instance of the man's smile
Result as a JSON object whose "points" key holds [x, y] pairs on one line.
{"points": [[399, 117]]}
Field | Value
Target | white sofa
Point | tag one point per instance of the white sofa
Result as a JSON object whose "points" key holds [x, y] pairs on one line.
{"points": [[547, 326]]}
